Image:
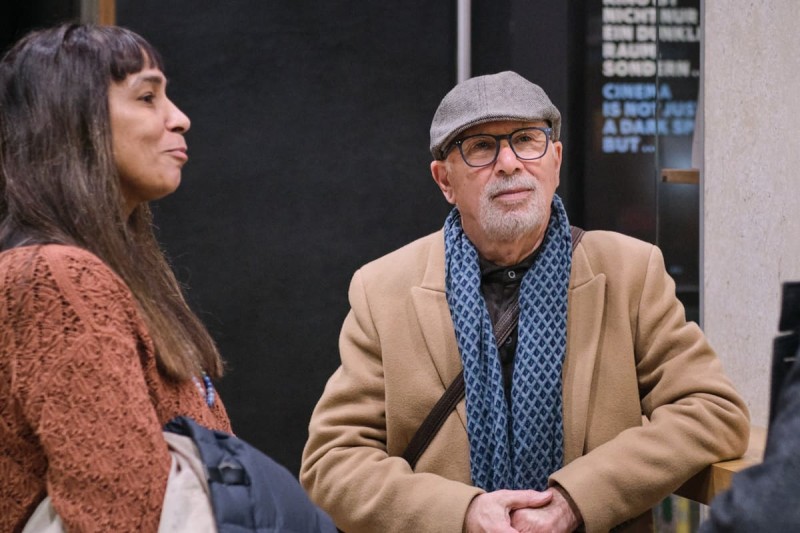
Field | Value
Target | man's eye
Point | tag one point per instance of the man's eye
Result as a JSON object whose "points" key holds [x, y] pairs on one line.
{"points": [[481, 145], [147, 98]]}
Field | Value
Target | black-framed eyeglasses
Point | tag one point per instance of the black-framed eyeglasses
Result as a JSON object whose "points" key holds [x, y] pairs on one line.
{"points": [[526, 143]]}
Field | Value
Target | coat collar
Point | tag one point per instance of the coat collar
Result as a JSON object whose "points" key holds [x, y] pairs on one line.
{"points": [[435, 321], [585, 310]]}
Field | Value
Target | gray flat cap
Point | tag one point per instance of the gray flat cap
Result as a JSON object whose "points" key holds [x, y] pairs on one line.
{"points": [[502, 96]]}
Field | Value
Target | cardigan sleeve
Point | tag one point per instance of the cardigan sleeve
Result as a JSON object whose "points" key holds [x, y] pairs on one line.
{"points": [[80, 385]]}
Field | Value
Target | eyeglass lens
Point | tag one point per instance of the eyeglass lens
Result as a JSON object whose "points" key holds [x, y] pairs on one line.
{"points": [[481, 150]]}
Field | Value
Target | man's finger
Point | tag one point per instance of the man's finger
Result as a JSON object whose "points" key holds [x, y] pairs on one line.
{"points": [[518, 499]]}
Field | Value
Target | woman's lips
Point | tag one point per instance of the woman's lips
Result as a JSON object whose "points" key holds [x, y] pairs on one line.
{"points": [[179, 153]]}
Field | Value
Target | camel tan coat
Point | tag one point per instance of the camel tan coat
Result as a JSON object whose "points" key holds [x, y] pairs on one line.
{"points": [[646, 403]]}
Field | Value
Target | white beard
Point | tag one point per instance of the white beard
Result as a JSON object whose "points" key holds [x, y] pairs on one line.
{"points": [[503, 223]]}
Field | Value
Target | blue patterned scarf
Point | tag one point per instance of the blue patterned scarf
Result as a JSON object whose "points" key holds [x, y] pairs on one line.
{"points": [[521, 448]]}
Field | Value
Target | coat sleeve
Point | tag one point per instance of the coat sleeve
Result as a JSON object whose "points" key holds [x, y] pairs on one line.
{"points": [[346, 468], [693, 416], [80, 385], [764, 497]]}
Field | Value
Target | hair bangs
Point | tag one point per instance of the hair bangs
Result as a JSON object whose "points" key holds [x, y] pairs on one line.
{"points": [[130, 53]]}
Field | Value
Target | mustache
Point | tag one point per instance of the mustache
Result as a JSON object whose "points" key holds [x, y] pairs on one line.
{"points": [[508, 184]]}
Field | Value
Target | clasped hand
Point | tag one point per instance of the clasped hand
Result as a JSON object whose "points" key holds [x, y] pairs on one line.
{"points": [[520, 511]]}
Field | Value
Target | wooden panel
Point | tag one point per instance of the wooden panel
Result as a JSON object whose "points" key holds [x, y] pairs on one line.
{"points": [[107, 12], [680, 175]]}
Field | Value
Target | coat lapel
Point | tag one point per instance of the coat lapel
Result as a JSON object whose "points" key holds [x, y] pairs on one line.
{"points": [[585, 311], [433, 315], [586, 308]]}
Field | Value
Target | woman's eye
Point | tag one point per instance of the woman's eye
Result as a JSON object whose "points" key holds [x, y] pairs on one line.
{"points": [[147, 98]]}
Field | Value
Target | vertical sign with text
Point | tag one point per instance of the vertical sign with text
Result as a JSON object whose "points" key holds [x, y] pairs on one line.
{"points": [[642, 76], [644, 41], [641, 88]]}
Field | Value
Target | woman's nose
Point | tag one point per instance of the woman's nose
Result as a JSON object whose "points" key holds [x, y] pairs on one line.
{"points": [[177, 120]]}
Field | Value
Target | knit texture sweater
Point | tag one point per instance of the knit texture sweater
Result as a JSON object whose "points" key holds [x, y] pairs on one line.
{"points": [[81, 400]]}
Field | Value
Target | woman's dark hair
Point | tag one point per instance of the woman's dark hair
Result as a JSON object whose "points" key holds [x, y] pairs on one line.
{"points": [[59, 182]]}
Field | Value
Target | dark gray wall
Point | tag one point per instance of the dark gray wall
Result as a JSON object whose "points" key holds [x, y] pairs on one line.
{"points": [[308, 157], [18, 17]]}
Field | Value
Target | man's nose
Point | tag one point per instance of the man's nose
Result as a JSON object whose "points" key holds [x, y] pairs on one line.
{"points": [[507, 160]]}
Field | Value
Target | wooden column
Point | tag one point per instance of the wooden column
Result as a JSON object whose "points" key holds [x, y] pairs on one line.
{"points": [[107, 12]]}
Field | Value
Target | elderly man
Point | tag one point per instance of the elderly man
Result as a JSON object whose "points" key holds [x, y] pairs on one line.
{"points": [[598, 401]]}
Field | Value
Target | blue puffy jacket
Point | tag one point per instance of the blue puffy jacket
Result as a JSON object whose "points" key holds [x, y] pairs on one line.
{"points": [[249, 491]]}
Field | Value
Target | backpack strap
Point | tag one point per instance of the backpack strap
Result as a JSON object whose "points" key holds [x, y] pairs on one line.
{"points": [[455, 391], [577, 235]]}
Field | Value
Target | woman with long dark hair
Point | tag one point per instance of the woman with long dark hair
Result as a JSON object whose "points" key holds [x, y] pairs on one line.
{"points": [[98, 348]]}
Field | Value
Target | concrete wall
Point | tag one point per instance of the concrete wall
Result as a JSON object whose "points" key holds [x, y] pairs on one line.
{"points": [[750, 237]]}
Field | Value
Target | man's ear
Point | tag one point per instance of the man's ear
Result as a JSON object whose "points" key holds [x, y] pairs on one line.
{"points": [[442, 179], [557, 153]]}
